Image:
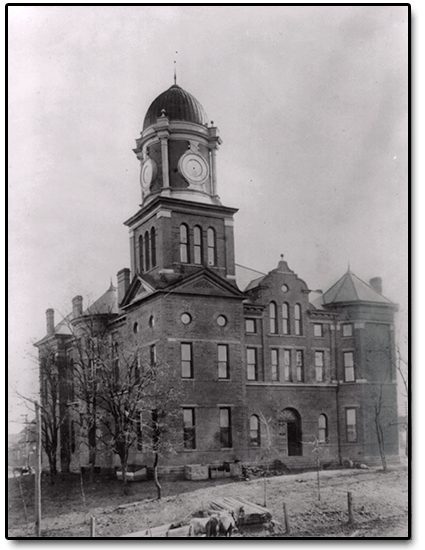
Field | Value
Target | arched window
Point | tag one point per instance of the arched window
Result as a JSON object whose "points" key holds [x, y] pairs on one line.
{"points": [[272, 316], [285, 318], [153, 247], [323, 428], [147, 255], [141, 254], [184, 244], [297, 318], [254, 431], [211, 246], [197, 245]]}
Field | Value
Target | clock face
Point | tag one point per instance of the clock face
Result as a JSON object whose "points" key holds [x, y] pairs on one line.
{"points": [[147, 173], [194, 168]]}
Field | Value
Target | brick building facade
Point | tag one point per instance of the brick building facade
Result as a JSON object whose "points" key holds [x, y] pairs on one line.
{"points": [[264, 370]]}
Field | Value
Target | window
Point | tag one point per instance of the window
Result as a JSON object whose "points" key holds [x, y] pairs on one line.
{"points": [[351, 425], [223, 363], [197, 245], [323, 428], [221, 321], [186, 318], [272, 317], [186, 360], [153, 247], [225, 428], [275, 364], [184, 244], [287, 364], [141, 254], [254, 431], [318, 330], [116, 362], [147, 255], [139, 431], [297, 316], [285, 318], [299, 365], [152, 355], [250, 326], [319, 361], [211, 246], [349, 366], [137, 369], [251, 359], [189, 438], [347, 330]]}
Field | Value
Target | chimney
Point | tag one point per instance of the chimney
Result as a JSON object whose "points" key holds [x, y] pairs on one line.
{"points": [[123, 279], [50, 321], [77, 306], [376, 283]]}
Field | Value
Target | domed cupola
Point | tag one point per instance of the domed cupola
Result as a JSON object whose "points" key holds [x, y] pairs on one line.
{"points": [[177, 149], [178, 105]]}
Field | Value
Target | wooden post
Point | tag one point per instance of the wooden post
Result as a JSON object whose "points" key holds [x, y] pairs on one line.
{"points": [[92, 527], [350, 508], [37, 477], [286, 515]]}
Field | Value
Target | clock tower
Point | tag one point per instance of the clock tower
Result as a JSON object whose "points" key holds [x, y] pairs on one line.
{"points": [[182, 226]]}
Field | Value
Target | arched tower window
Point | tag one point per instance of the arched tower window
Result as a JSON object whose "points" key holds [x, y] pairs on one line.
{"points": [[272, 316], [147, 255], [197, 245], [285, 318], [297, 318], [323, 428], [184, 244], [153, 247], [254, 431], [141, 253], [211, 246]]}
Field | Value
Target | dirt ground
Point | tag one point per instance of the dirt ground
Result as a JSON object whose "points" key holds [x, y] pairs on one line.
{"points": [[380, 503]]}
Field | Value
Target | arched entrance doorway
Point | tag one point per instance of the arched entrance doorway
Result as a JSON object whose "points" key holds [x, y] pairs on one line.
{"points": [[292, 419]]}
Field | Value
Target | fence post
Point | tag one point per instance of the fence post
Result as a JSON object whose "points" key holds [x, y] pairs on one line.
{"points": [[92, 527], [350, 508], [286, 515]]}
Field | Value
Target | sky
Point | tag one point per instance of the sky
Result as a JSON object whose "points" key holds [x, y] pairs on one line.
{"points": [[312, 106]]}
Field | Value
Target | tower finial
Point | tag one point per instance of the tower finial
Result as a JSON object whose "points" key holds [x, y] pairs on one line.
{"points": [[175, 71]]}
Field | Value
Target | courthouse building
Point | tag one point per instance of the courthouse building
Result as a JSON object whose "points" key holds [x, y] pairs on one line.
{"points": [[266, 368]]}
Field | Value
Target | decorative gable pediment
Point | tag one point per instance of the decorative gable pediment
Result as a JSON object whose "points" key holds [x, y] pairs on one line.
{"points": [[138, 290], [207, 284]]}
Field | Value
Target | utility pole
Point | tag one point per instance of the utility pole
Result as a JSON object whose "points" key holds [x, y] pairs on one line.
{"points": [[37, 470]]}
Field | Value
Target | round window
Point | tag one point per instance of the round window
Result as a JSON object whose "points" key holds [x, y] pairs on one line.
{"points": [[221, 321], [285, 288], [186, 318], [152, 321], [136, 328]]}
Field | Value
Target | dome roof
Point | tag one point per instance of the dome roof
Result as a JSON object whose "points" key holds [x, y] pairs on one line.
{"points": [[178, 105]]}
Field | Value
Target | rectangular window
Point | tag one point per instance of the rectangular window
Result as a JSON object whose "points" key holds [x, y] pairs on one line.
{"points": [[223, 363], [225, 428], [318, 330], [287, 364], [251, 359], [250, 326], [297, 316], [349, 366], [275, 364], [189, 438], [319, 361], [152, 355], [299, 365], [347, 330], [351, 425], [186, 360], [139, 431]]}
